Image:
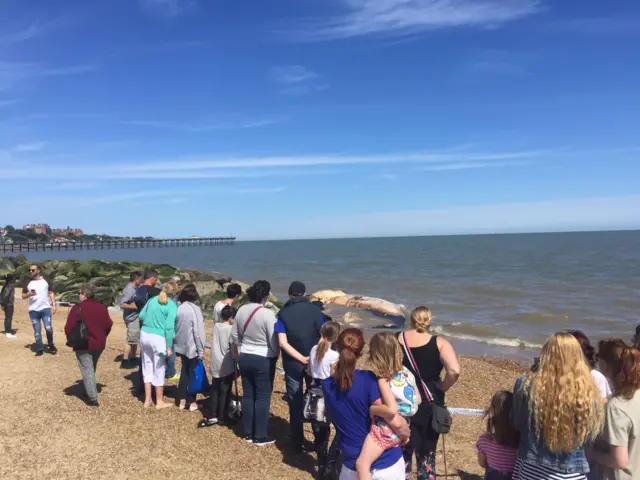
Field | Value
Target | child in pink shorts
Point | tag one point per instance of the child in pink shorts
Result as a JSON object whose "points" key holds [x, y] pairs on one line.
{"points": [[400, 400]]}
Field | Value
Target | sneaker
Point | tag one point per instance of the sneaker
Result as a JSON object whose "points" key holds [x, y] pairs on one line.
{"points": [[53, 350], [124, 365], [248, 439], [93, 403], [263, 442], [10, 335], [39, 353], [207, 422]]}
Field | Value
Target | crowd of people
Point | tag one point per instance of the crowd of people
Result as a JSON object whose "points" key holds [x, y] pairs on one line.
{"points": [[575, 415]]}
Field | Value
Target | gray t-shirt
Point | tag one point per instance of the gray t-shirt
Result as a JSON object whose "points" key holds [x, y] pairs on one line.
{"points": [[221, 358], [622, 429], [128, 296]]}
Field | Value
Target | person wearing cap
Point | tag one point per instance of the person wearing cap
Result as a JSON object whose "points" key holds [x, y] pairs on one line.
{"points": [[298, 330]]}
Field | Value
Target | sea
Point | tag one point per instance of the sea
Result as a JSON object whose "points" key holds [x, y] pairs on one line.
{"points": [[495, 295]]}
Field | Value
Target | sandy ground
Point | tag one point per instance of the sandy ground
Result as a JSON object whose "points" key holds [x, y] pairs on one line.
{"points": [[46, 431]]}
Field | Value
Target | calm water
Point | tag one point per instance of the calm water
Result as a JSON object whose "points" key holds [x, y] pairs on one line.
{"points": [[494, 294]]}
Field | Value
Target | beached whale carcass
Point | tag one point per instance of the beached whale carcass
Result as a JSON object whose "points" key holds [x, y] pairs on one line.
{"points": [[338, 297]]}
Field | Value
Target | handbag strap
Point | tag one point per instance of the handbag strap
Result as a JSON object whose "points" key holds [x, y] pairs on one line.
{"points": [[414, 366], [246, 324], [80, 317]]}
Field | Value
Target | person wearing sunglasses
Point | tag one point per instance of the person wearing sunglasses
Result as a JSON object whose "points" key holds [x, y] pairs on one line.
{"points": [[42, 305]]}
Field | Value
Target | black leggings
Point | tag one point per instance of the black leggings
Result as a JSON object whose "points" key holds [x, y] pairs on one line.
{"points": [[8, 319], [220, 397]]}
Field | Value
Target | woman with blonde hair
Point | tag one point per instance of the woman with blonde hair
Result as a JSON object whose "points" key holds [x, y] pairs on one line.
{"points": [[617, 453], [557, 411], [430, 354], [158, 329]]}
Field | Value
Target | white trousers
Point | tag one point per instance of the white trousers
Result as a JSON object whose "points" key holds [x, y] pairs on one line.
{"points": [[394, 472], [153, 364]]}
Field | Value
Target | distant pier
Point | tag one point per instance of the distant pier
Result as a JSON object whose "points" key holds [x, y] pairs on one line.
{"points": [[116, 244]]}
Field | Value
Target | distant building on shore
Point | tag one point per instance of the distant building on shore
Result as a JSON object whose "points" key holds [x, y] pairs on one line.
{"points": [[68, 232], [39, 228]]}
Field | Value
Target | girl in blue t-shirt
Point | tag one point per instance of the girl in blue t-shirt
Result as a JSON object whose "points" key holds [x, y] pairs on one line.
{"points": [[349, 393], [400, 397]]}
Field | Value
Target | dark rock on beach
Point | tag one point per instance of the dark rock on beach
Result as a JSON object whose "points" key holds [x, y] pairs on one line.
{"points": [[110, 278]]}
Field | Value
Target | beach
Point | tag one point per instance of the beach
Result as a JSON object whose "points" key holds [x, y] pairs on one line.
{"points": [[47, 431], [496, 295]]}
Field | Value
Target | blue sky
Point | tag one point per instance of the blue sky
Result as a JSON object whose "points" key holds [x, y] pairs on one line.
{"points": [[320, 118]]}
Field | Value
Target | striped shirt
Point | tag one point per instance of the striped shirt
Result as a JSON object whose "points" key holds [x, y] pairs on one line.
{"points": [[500, 458], [529, 471]]}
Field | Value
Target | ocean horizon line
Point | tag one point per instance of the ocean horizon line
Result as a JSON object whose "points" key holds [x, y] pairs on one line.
{"points": [[440, 235]]}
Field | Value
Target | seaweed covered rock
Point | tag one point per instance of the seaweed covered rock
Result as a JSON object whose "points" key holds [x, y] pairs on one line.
{"points": [[67, 276]]}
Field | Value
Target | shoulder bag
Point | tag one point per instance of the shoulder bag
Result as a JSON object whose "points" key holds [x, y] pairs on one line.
{"points": [[79, 336], [440, 417], [246, 324]]}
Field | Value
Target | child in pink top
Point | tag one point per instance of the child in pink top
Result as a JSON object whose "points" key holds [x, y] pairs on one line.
{"points": [[498, 447]]}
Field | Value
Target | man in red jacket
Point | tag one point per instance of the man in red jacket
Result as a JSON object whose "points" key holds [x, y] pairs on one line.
{"points": [[99, 323]]}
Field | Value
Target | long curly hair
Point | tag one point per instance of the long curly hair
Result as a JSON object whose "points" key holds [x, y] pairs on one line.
{"points": [[564, 399]]}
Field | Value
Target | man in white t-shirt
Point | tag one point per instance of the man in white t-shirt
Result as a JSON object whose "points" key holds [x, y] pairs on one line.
{"points": [[42, 304], [233, 292]]}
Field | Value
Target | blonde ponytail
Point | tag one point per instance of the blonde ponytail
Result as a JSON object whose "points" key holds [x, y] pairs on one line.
{"points": [[168, 291]]}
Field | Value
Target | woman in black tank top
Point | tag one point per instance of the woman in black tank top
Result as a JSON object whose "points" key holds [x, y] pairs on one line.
{"points": [[432, 354]]}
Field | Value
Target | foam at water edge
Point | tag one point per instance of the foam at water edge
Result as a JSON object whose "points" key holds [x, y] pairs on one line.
{"points": [[498, 341]]}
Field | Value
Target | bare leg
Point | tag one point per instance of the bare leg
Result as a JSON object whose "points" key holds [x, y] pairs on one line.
{"points": [[148, 401], [134, 350], [160, 403], [370, 452], [126, 352]]}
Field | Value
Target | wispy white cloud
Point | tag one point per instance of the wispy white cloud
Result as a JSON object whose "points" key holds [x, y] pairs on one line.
{"points": [[553, 215], [472, 165], [203, 167], [167, 9], [202, 127], [167, 196], [412, 17], [29, 147], [337, 159], [389, 177], [15, 74], [76, 186], [25, 34], [248, 191], [292, 74], [297, 80], [253, 167]]}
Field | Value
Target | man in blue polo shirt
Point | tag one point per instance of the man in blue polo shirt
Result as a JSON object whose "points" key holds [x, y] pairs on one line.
{"points": [[298, 330]]}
